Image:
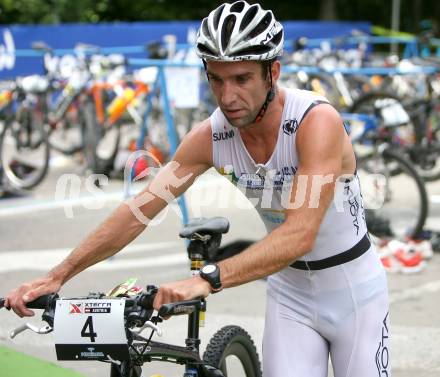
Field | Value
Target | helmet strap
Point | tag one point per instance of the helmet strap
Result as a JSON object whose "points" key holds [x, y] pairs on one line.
{"points": [[269, 97], [205, 65]]}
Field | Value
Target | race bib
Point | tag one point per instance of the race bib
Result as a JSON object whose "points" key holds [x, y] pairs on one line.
{"points": [[90, 329]]}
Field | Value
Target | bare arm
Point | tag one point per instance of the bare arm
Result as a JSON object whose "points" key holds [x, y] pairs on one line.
{"points": [[320, 146], [320, 149], [127, 221]]}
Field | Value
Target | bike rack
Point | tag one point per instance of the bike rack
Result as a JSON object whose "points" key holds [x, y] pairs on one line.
{"points": [[161, 85]]}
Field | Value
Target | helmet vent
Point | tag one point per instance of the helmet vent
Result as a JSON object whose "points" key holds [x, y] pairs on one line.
{"points": [[237, 7], [277, 39], [205, 50], [217, 15], [262, 25], [238, 31], [249, 16], [205, 28], [228, 26]]}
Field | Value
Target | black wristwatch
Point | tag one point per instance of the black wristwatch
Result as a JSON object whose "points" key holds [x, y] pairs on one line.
{"points": [[211, 273]]}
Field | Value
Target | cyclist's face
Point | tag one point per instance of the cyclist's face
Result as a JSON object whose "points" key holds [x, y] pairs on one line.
{"points": [[239, 88]]}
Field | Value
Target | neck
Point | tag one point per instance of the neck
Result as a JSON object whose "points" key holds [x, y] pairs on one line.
{"points": [[271, 120]]}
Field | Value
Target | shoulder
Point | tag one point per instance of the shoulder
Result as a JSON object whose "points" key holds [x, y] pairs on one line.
{"points": [[197, 144], [303, 95], [300, 102], [322, 117], [321, 132], [200, 132]]}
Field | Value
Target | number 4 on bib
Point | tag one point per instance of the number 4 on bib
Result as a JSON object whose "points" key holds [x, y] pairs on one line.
{"points": [[87, 330]]}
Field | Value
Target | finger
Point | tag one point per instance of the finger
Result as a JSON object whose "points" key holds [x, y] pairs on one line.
{"points": [[19, 307], [34, 292], [6, 304], [25, 312], [32, 295], [37, 292], [163, 296], [157, 303]]}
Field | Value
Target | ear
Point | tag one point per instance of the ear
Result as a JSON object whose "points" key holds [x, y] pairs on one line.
{"points": [[276, 70]]}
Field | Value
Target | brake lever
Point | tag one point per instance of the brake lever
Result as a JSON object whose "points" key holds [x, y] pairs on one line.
{"points": [[29, 326], [150, 325]]}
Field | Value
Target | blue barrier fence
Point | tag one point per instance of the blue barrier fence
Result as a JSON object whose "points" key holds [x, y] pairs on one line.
{"points": [[312, 70], [411, 45], [18, 58]]}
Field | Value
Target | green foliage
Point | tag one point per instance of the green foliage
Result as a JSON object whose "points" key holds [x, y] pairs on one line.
{"points": [[377, 12]]}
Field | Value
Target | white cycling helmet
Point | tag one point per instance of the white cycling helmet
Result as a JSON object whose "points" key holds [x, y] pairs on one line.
{"points": [[240, 31]]}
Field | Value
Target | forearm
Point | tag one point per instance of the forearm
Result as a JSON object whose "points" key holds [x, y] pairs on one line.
{"points": [[273, 253], [111, 236], [127, 221]]}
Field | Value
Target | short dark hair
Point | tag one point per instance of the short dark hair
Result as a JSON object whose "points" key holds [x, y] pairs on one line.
{"points": [[266, 66]]}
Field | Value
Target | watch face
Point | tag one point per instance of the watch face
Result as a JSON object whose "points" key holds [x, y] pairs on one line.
{"points": [[209, 268]]}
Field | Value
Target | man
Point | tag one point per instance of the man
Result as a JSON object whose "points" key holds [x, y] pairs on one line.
{"points": [[327, 291]]}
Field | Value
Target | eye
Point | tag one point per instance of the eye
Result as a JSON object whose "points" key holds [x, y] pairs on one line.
{"points": [[214, 79], [242, 79]]}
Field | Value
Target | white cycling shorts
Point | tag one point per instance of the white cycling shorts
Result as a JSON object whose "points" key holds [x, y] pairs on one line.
{"points": [[339, 312]]}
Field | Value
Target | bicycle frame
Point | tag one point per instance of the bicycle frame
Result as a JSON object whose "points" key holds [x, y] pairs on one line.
{"points": [[123, 101], [146, 351]]}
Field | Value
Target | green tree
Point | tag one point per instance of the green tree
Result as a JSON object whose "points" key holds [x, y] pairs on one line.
{"points": [[54, 11], [327, 10]]}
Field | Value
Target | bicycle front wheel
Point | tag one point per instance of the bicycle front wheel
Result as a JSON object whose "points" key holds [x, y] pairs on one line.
{"points": [[232, 350], [125, 370]]}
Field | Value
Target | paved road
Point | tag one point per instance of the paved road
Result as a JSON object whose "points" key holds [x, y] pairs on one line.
{"points": [[37, 231]]}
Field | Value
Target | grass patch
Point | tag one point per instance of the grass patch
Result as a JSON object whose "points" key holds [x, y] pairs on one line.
{"points": [[17, 364]]}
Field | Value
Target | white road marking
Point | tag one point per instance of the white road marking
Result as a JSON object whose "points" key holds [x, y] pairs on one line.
{"points": [[416, 292], [56, 204], [43, 260], [434, 199], [30, 206]]}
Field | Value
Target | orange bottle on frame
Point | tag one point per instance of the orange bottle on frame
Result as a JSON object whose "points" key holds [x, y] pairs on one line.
{"points": [[119, 104]]}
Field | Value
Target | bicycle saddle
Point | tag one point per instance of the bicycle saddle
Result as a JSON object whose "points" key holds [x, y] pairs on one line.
{"points": [[203, 225]]}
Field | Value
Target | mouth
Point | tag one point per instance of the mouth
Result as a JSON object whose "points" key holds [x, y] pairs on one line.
{"points": [[232, 113]]}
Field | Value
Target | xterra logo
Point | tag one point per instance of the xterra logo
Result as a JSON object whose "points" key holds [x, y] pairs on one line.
{"points": [[290, 126], [97, 307], [75, 308], [217, 136], [382, 353]]}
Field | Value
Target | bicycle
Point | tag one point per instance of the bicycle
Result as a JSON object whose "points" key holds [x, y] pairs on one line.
{"points": [[81, 324], [390, 181], [417, 136], [24, 145], [41, 113]]}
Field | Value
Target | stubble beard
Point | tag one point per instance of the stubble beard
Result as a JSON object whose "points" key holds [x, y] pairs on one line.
{"points": [[244, 121]]}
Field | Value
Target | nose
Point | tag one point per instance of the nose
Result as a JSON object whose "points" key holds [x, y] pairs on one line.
{"points": [[228, 94]]}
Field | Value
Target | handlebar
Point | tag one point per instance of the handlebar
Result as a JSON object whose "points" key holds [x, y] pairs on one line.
{"points": [[40, 303], [138, 309]]}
